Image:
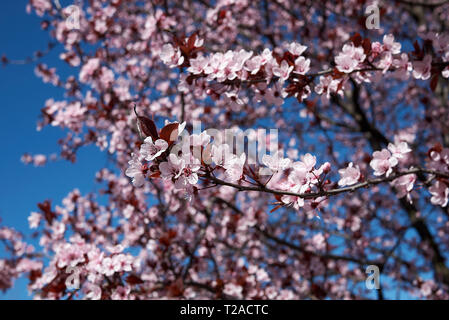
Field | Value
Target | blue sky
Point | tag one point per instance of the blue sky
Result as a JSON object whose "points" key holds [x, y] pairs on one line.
{"points": [[22, 97]]}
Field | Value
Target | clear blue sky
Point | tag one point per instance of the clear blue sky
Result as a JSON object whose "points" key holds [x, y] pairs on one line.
{"points": [[22, 96]]}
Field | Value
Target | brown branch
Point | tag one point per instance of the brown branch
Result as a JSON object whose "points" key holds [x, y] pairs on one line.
{"points": [[327, 193]]}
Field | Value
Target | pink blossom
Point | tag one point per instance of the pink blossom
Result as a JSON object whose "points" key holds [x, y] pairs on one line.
{"points": [[283, 71], [228, 69], [234, 167], [302, 65], [421, 69], [254, 64], [34, 220], [121, 293], [41, 6], [108, 267], [383, 162], [171, 56], [88, 69], [198, 65], [307, 163], [93, 292], [122, 262], [345, 63], [234, 101], [327, 85], [275, 94], [220, 154], [215, 66], [275, 162], [390, 45], [189, 174], [240, 58], [106, 77], [404, 184], [445, 72], [296, 48], [39, 160], [440, 193], [350, 57], [349, 175], [319, 241], [150, 151], [173, 168], [403, 67], [376, 48], [136, 171], [69, 255], [399, 150], [385, 61], [200, 140], [26, 158], [233, 290]]}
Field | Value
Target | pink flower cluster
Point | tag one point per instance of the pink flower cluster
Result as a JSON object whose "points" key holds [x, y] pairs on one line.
{"points": [[350, 58], [385, 160], [244, 65], [349, 175], [171, 56], [304, 177]]}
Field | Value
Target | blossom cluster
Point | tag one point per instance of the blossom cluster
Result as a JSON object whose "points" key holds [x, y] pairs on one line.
{"points": [[186, 159], [289, 72], [245, 66]]}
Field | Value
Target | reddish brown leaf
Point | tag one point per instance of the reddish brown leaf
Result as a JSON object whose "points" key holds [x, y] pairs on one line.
{"points": [[357, 39], [418, 53], [146, 127], [133, 279], [45, 208], [170, 132], [366, 45]]}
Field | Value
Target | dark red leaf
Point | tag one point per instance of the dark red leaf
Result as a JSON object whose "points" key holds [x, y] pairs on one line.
{"points": [[170, 132], [356, 39], [133, 279], [191, 41], [366, 45], [45, 208], [418, 53], [146, 127]]}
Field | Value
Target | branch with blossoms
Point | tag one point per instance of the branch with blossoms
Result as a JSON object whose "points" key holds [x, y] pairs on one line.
{"points": [[336, 191], [282, 73], [188, 159]]}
